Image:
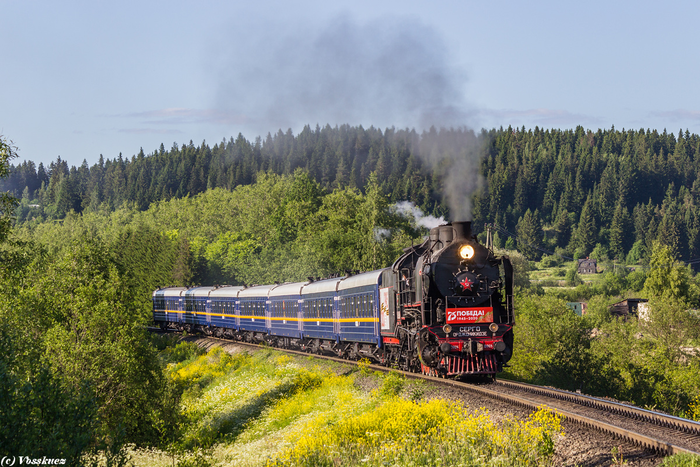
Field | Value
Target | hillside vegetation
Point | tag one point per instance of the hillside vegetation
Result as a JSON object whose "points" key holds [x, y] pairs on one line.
{"points": [[611, 193]]}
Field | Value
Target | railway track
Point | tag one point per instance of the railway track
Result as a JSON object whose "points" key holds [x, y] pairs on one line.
{"points": [[656, 431]]}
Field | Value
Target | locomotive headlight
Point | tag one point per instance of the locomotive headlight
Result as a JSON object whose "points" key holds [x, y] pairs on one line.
{"points": [[493, 327], [466, 251], [447, 329]]}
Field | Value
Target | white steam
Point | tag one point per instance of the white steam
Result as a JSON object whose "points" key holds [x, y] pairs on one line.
{"points": [[381, 233], [410, 211]]}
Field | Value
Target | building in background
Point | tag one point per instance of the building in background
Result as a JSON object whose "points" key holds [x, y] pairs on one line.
{"points": [[587, 266]]}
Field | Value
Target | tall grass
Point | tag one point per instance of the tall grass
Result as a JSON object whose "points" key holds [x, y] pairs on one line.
{"points": [[268, 409], [426, 433]]}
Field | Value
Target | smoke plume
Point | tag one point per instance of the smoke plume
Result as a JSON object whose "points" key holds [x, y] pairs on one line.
{"points": [[390, 72], [455, 155], [385, 73]]}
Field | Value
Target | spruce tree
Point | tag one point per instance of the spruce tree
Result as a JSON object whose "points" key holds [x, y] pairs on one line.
{"points": [[7, 202], [586, 234], [620, 231], [562, 228], [669, 232], [529, 230], [607, 193]]}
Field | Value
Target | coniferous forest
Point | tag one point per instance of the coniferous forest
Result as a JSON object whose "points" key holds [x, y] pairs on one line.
{"points": [[82, 249], [574, 191]]}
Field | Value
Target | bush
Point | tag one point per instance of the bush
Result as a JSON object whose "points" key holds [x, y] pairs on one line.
{"points": [[401, 432], [636, 253], [572, 277], [38, 414], [204, 368], [521, 267], [183, 351], [694, 410], [613, 284], [636, 279], [681, 460], [550, 261], [598, 311], [392, 384], [599, 253]]}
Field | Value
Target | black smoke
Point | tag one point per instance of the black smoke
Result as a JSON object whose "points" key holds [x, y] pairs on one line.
{"points": [[390, 72], [385, 73]]}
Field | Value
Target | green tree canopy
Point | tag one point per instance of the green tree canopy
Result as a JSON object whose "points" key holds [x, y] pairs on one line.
{"points": [[529, 231], [7, 202], [668, 278], [584, 238]]}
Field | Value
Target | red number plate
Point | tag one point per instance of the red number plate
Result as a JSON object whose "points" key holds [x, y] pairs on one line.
{"points": [[470, 315]]}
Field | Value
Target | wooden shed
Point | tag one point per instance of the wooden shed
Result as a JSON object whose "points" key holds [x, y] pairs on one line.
{"points": [[626, 307]]}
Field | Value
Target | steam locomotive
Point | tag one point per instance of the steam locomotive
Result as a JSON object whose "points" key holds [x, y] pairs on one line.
{"points": [[444, 308]]}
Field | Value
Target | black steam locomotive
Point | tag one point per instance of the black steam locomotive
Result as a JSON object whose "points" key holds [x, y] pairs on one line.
{"points": [[445, 308]]}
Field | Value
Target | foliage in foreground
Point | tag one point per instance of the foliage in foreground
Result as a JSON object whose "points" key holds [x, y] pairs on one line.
{"points": [[649, 362], [681, 460], [78, 294], [271, 410], [425, 433], [37, 415], [79, 353], [694, 410]]}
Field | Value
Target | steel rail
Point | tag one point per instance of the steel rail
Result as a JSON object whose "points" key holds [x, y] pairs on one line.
{"points": [[618, 408]]}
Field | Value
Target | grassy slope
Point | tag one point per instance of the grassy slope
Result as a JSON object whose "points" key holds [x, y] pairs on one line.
{"points": [[270, 409]]}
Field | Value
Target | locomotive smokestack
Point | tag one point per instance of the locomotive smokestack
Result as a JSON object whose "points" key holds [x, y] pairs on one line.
{"points": [[462, 230], [445, 234], [434, 237]]}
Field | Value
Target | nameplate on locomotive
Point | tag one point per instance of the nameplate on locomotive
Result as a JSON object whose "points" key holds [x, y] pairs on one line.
{"points": [[482, 314]]}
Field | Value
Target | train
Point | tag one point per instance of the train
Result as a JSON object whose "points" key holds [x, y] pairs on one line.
{"points": [[444, 308]]}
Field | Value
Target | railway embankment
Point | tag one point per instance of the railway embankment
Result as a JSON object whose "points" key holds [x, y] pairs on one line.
{"points": [[246, 406], [263, 407]]}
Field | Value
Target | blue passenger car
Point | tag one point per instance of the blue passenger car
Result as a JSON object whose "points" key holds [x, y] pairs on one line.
{"points": [[223, 307], [196, 310], [167, 304], [285, 310], [320, 310], [359, 311], [252, 308]]}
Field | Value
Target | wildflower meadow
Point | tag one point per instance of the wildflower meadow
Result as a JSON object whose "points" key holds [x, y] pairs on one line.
{"points": [[269, 409]]}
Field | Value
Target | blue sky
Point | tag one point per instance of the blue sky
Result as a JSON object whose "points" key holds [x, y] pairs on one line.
{"points": [[80, 79]]}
